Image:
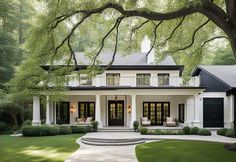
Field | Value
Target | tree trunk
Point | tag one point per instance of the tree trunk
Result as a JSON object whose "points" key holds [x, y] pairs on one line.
{"points": [[232, 39]]}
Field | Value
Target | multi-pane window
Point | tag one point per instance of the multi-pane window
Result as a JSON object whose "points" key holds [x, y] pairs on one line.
{"points": [[163, 79], [112, 79], [143, 79], [86, 109], [85, 80]]}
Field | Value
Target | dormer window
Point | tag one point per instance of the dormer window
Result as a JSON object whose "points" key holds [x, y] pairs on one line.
{"points": [[84, 80], [163, 79], [143, 79], [112, 79]]}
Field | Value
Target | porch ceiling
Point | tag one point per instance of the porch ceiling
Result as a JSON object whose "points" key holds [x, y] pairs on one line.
{"points": [[171, 91]]}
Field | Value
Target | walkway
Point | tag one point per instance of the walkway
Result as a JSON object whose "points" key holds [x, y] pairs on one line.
{"points": [[88, 153]]}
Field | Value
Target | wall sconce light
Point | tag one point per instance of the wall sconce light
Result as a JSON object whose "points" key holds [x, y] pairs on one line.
{"points": [[72, 109], [129, 109]]}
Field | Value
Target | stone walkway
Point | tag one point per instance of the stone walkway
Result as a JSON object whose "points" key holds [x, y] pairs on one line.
{"points": [[88, 153]]}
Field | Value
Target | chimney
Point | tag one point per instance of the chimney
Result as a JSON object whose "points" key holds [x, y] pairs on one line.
{"points": [[145, 47]]}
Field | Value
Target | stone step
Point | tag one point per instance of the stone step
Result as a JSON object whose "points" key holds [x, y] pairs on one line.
{"points": [[112, 142], [115, 130]]}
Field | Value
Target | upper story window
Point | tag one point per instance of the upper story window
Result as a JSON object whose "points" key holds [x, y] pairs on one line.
{"points": [[112, 79], [85, 80], [143, 79], [163, 79]]}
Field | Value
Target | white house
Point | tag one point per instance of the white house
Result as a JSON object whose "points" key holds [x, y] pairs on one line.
{"points": [[134, 86]]}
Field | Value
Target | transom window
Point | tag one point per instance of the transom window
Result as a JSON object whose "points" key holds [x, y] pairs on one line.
{"points": [[143, 79], [112, 79], [163, 79], [85, 80]]}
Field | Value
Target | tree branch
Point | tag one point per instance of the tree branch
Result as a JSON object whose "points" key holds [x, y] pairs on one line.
{"points": [[155, 36], [72, 53], [193, 38], [136, 28], [116, 44], [118, 20], [172, 33]]}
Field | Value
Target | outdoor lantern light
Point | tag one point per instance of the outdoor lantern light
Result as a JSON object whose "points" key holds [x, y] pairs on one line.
{"points": [[129, 109], [116, 98], [72, 109]]}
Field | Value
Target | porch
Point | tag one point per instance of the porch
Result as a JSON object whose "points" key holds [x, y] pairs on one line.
{"points": [[121, 107]]}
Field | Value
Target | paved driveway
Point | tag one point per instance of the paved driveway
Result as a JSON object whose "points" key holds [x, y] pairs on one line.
{"points": [[88, 153]]}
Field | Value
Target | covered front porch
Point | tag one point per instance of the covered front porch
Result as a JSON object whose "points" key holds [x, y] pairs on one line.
{"points": [[120, 108]]}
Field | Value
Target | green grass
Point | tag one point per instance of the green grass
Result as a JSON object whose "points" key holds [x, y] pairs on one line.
{"points": [[184, 151], [37, 149]]}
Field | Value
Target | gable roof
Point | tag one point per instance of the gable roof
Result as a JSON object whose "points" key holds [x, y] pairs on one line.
{"points": [[120, 59], [224, 73]]}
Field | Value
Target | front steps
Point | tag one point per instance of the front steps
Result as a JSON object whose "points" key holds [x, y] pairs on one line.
{"points": [[112, 142], [115, 129]]}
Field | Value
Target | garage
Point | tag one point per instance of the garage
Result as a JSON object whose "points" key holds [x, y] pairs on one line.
{"points": [[213, 112]]}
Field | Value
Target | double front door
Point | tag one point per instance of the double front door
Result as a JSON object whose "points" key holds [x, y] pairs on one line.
{"points": [[156, 112], [116, 113]]}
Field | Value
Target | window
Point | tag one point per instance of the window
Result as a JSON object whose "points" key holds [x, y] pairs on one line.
{"points": [[143, 79], [85, 80], [86, 109], [113, 79], [163, 79], [181, 113]]}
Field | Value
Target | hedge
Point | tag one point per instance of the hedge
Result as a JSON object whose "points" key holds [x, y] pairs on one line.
{"points": [[40, 130], [52, 130], [143, 130], [230, 133], [222, 131], [194, 130], [204, 132]]}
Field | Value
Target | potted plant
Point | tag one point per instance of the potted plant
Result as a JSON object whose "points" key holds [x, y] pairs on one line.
{"points": [[95, 125], [135, 125]]}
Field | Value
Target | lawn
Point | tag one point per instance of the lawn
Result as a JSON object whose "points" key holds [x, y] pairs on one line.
{"points": [[37, 149], [184, 151]]}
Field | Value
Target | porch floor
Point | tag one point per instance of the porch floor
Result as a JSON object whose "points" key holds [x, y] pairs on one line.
{"points": [[164, 128]]}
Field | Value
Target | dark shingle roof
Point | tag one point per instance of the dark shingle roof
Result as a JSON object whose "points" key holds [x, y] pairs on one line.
{"points": [[226, 73]]}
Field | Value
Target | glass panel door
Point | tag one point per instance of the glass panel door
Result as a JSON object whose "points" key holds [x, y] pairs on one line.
{"points": [[153, 113], [63, 113], [115, 112], [86, 109], [159, 114], [165, 111]]}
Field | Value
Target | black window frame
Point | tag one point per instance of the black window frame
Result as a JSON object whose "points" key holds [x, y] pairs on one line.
{"points": [[87, 113], [114, 77], [162, 76], [142, 78], [181, 119]]}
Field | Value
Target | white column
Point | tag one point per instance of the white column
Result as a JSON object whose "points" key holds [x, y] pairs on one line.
{"points": [[197, 105], [133, 110], [48, 122], [36, 111], [189, 118], [55, 113], [51, 112], [231, 110], [98, 111]]}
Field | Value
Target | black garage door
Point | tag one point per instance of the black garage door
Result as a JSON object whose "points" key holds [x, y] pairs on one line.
{"points": [[213, 112]]}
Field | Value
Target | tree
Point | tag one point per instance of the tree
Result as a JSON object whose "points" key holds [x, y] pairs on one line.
{"points": [[223, 57], [134, 11]]}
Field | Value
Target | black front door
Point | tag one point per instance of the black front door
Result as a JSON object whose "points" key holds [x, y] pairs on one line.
{"points": [[63, 113], [116, 113], [156, 112], [213, 112]]}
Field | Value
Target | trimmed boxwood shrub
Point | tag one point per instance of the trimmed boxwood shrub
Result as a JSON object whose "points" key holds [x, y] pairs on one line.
{"points": [[89, 128], [143, 130], [150, 132], [168, 132], [230, 133], [78, 129], [186, 130], [157, 132], [65, 130], [204, 132], [26, 123], [180, 132], [40, 130], [222, 131], [194, 130]]}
